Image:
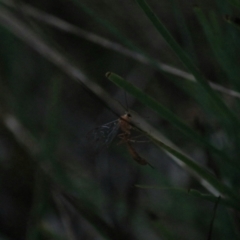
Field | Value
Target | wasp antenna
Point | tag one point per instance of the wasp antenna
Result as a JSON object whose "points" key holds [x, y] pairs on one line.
{"points": [[125, 95], [123, 107]]}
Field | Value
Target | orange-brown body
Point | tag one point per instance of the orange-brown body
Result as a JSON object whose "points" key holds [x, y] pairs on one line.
{"points": [[126, 127], [135, 155]]}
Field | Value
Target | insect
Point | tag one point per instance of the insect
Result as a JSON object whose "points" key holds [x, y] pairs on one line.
{"points": [[105, 134], [136, 156]]}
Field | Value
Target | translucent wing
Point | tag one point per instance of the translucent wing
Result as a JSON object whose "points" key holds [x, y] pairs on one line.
{"points": [[103, 135]]}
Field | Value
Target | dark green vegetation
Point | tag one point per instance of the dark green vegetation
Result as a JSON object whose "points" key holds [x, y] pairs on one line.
{"points": [[179, 67]]}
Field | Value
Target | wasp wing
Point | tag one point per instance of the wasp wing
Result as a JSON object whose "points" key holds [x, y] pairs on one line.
{"points": [[103, 135]]}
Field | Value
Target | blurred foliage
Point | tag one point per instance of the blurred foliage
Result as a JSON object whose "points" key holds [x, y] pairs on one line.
{"points": [[53, 92]]}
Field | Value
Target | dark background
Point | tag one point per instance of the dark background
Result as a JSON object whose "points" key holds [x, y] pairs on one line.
{"points": [[54, 183]]}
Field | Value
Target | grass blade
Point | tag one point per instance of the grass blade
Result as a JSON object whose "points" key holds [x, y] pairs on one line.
{"points": [[234, 21], [219, 45], [168, 115], [213, 218], [193, 193], [196, 170], [188, 63]]}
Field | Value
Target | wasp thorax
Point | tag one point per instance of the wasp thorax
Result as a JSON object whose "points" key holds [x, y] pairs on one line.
{"points": [[124, 123]]}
